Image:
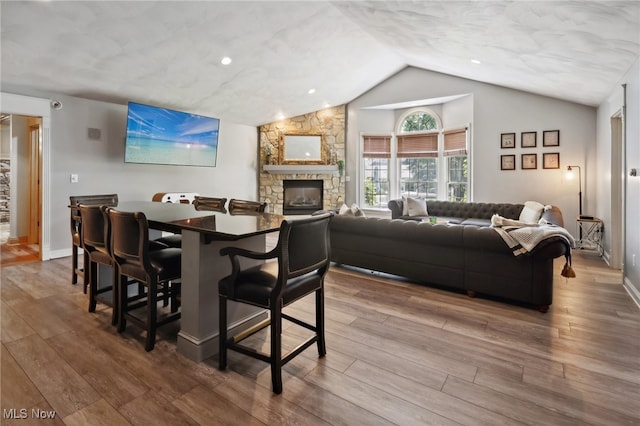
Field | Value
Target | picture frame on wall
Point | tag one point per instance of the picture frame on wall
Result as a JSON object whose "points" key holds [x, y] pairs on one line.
{"points": [[507, 162], [507, 140], [528, 139], [529, 161], [551, 160], [551, 138]]}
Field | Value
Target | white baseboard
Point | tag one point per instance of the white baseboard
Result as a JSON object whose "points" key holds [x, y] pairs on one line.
{"points": [[56, 254], [632, 290]]}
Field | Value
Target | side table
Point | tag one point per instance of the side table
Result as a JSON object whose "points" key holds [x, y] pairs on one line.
{"points": [[589, 233]]}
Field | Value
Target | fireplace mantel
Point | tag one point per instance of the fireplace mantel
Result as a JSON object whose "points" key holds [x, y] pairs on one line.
{"points": [[291, 169]]}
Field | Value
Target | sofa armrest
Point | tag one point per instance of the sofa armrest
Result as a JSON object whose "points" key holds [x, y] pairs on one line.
{"points": [[554, 215], [396, 208]]}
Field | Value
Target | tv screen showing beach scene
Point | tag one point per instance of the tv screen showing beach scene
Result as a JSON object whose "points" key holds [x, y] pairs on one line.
{"points": [[162, 136]]}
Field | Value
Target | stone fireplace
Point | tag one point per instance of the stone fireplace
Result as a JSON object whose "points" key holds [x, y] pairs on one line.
{"points": [[302, 196], [330, 123]]}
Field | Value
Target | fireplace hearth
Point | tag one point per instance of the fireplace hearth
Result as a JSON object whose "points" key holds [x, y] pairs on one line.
{"points": [[302, 196]]}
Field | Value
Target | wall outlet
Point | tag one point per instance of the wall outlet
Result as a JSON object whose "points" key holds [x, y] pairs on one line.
{"points": [[74, 178]]}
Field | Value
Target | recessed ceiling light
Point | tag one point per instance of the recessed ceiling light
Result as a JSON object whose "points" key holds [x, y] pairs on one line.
{"points": [[312, 91], [225, 61], [280, 116], [475, 61]]}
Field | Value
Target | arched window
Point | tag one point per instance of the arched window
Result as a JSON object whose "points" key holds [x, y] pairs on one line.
{"points": [[421, 159], [417, 153], [420, 120]]}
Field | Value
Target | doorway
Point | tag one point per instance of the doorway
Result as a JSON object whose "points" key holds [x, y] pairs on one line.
{"points": [[20, 189], [617, 199]]}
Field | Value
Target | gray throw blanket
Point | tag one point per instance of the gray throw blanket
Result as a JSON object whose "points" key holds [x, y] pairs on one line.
{"points": [[523, 239]]}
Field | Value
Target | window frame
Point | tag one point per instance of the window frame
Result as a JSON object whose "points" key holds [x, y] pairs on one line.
{"points": [[395, 168]]}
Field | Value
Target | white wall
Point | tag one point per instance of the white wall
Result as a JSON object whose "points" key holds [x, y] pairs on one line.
{"points": [[497, 110], [20, 169], [458, 112], [373, 122], [101, 168], [631, 185]]}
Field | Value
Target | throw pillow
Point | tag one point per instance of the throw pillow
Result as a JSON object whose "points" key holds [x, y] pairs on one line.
{"points": [[357, 211], [531, 212], [417, 207], [344, 209]]}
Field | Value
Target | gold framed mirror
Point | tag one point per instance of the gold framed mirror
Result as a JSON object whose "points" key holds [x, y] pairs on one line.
{"points": [[302, 149]]}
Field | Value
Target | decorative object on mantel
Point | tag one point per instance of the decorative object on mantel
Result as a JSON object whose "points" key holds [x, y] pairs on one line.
{"points": [[333, 157], [341, 168], [268, 150], [302, 149]]}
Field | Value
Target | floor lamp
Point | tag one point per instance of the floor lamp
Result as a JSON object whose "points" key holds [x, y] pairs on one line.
{"points": [[570, 176]]}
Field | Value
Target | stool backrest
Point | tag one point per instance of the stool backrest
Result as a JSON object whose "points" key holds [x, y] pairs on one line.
{"points": [[90, 200], [94, 232], [303, 247], [130, 241], [239, 206], [210, 204]]}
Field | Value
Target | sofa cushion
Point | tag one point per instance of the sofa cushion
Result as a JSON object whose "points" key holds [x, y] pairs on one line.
{"points": [[344, 209], [357, 211], [354, 210], [476, 222], [531, 212], [407, 201], [416, 207]]}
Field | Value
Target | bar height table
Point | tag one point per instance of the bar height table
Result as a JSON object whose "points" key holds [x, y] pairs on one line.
{"points": [[204, 233]]}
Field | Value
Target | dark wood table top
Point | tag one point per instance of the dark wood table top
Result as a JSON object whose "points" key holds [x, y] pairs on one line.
{"points": [[175, 218]]}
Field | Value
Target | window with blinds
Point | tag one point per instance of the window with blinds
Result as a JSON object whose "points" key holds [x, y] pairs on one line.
{"points": [[420, 160], [455, 142], [376, 153], [377, 146], [418, 145]]}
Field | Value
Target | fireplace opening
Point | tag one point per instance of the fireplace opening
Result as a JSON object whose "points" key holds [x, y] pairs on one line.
{"points": [[302, 196]]}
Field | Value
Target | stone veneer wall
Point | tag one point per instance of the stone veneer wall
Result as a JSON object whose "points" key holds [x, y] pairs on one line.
{"points": [[331, 124]]}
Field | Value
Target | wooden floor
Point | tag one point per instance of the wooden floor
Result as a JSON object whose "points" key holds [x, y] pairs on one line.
{"points": [[17, 253], [397, 353]]}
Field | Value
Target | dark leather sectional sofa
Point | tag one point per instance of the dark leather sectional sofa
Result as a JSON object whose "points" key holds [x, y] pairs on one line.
{"points": [[472, 213], [462, 256]]}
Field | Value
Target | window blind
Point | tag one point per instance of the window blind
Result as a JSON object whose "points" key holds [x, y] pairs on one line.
{"points": [[376, 146], [455, 142], [418, 145]]}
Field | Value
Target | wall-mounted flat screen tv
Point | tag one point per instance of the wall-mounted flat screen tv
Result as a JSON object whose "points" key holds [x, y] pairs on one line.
{"points": [[163, 136]]}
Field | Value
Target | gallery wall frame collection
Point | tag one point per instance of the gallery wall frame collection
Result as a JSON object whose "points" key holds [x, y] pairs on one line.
{"points": [[528, 140]]}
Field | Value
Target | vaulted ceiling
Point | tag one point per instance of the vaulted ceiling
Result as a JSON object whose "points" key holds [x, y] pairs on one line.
{"points": [[169, 53]]}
